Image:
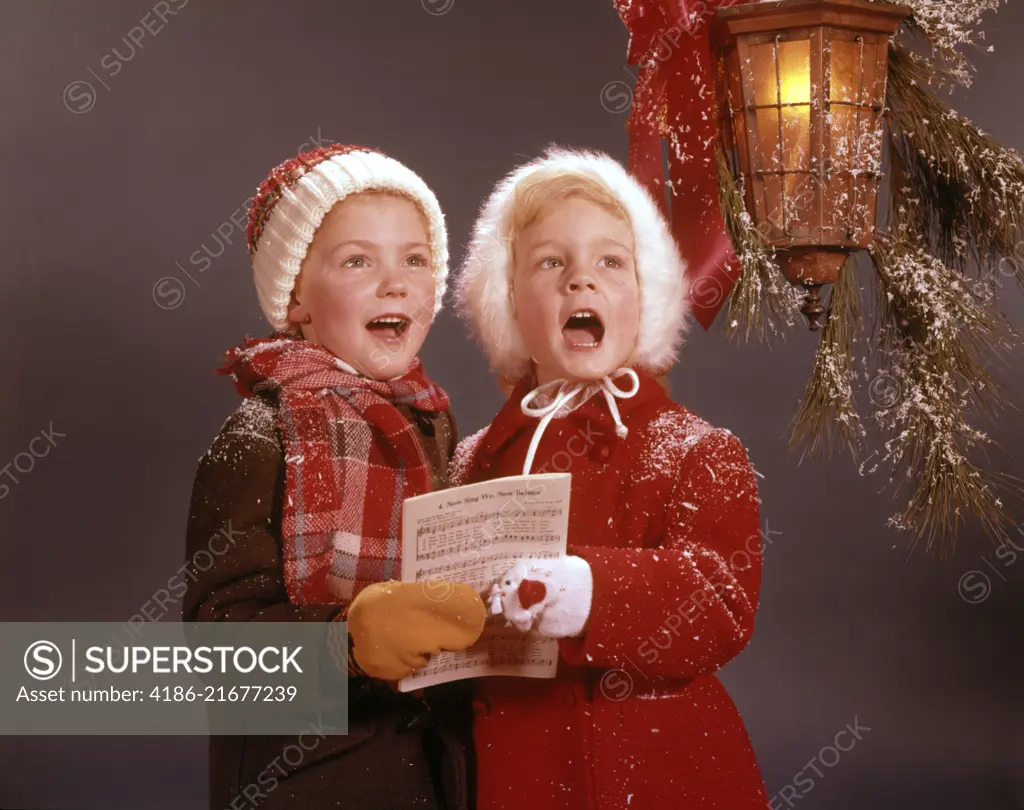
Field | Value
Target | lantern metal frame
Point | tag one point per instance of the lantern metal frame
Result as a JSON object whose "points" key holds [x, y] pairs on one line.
{"points": [[834, 211]]}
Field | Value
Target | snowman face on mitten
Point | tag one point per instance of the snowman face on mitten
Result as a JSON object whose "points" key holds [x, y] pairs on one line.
{"points": [[523, 593], [551, 595]]}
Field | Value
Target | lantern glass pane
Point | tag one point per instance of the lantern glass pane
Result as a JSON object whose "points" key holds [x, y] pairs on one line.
{"points": [[844, 145], [872, 135], [874, 71], [849, 207], [844, 74], [795, 85], [796, 134], [776, 212], [762, 68], [845, 138], [768, 147], [795, 71]]}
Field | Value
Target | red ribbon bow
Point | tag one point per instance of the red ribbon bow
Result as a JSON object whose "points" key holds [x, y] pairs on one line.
{"points": [[674, 100]]}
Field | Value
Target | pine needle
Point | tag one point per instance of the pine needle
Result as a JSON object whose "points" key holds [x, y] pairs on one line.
{"points": [[827, 414]]}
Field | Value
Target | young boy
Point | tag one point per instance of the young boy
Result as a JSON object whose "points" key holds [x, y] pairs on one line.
{"points": [[582, 306], [339, 425]]}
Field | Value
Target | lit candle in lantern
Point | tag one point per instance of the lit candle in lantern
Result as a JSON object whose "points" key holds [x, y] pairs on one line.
{"points": [[795, 75]]}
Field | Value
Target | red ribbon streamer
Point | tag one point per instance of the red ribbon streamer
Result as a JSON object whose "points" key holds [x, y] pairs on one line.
{"points": [[674, 99]]}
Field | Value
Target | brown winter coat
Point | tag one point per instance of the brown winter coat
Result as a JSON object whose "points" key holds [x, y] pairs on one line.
{"points": [[240, 485]]}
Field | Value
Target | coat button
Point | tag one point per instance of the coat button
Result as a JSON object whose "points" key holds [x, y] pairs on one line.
{"points": [[481, 707]]}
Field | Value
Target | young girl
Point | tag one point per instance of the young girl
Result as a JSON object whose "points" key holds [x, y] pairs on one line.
{"points": [[576, 290], [338, 426]]}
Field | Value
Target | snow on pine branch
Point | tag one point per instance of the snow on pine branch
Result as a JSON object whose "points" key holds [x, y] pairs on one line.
{"points": [[951, 26]]}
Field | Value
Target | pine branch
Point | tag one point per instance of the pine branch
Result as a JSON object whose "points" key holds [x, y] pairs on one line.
{"points": [[936, 330], [827, 414], [762, 302], [967, 191], [947, 28]]}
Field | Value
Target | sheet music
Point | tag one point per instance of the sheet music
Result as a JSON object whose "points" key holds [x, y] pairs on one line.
{"points": [[474, 534]]}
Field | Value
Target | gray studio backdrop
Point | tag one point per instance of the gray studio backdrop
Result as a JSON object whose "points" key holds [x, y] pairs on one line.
{"points": [[122, 159]]}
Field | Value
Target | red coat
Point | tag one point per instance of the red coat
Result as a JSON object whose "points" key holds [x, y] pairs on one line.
{"points": [[669, 520]]}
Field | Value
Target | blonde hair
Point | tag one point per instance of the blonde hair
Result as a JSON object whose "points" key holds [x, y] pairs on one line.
{"points": [[484, 293], [547, 186]]}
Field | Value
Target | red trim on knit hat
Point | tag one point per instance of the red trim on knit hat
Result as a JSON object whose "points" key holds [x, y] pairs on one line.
{"points": [[285, 176]]}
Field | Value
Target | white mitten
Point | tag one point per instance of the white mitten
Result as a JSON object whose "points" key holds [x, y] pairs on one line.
{"points": [[551, 595]]}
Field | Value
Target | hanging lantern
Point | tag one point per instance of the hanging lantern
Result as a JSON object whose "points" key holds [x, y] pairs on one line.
{"points": [[802, 92], [771, 114]]}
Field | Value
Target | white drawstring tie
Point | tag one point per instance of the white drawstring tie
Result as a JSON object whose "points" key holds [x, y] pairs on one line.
{"points": [[565, 392]]}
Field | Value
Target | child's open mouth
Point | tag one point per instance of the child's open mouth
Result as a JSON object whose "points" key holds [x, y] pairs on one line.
{"points": [[583, 330], [389, 327]]}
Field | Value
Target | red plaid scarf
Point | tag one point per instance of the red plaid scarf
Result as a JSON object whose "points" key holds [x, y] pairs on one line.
{"points": [[351, 459]]}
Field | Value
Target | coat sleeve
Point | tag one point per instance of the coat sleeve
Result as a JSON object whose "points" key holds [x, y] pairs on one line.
{"points": [[233, 545], [453, 442], [460, 467], [687, 607]]}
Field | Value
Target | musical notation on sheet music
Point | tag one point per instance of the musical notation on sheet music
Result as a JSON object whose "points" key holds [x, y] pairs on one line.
{"points": [[477, 564], [497, 518], [461, 535]]}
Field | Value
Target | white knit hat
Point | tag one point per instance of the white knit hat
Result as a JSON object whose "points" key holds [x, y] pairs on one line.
{"points": [[483, 292], [292, 202]]}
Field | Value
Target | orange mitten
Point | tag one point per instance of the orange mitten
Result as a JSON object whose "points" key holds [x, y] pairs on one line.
{"points": [[396, 626]]}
